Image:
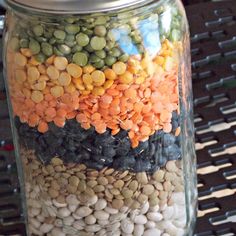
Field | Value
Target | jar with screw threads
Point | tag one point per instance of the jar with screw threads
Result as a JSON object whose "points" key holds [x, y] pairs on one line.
{"points": [[101, 110]]}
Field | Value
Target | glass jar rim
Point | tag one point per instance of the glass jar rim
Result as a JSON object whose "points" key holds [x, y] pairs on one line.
{"points": [[78, 6]]}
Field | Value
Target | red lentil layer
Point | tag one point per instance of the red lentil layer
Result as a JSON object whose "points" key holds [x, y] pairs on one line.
{"points": [[139, 96]]}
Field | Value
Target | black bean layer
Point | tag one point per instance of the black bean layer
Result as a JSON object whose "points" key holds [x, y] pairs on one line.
{"points": [[76, 145]]}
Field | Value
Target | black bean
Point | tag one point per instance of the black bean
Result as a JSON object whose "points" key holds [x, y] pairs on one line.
{"points": [[109, 152], [172, 152], [85, 154], [124, 147], [141, 148], [45, 157], [76, 145], [103, 159], [124, 162], [73, 157], [121, 135], [94, 165], [168, 140], [152, 149], [61, 151], [141, 165]]}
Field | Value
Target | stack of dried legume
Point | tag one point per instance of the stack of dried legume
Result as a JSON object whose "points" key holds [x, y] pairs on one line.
{"points": [[96, 107]]}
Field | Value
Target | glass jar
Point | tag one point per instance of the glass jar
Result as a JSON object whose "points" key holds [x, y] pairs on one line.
{"points": [[100, 94]]}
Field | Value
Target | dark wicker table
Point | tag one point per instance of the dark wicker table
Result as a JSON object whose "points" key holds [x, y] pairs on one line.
{"points": [[213, 36]]}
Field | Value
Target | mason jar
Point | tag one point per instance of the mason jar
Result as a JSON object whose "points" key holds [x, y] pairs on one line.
{"points": [[101, 110]]}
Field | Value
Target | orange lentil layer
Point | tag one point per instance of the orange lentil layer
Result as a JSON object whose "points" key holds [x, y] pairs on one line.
{"points": [[139, 96]]}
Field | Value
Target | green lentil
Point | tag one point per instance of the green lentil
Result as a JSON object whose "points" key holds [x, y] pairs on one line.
{"points": [[34, 46], [70, 20], [136, 37], [70, 40], [86, 53], [40, 57], [115, 52], [80, 59], [59, 34], [48, 34], [98, 43], [88, 48], [38, 30], [93, 58], [14, 44], [140, 48], [70, 44], [57, 52], [124, 57], [76, 48], [69, 57], [52, 41], [101, 54], [82, 39], [110, 45], [23, 34], [60, 27], [30, 33], [100, 30], [47, 49], [41, 39], [99, 65], [24, 43], [88, 32], [59, 41], [101, 20], [64, 49], [72, 29], [110, 60]]}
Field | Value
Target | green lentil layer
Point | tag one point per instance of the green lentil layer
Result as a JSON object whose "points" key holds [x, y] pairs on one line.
{"points": [[98, 40]]}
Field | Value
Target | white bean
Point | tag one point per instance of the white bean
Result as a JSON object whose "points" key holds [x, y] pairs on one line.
{"points": [[154, 216], [138, 230], [101, 215], [57, 232], [111, 211], [152, 232], [58, 204], [45, 228], [72, 208], [93, 228], [92, 201], [140, 219], [168, 213], [100, 204], [90, 220], [144, 208], [69, 220], [83, 211], [72, 200], [150, 225], [35, 223], [127, 226], [63, 212]]}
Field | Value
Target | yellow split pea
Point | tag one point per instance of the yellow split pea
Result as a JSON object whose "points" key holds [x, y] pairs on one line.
{"points": [[64, 79], [37, 96], [57, 91], [60, 63], [98, 78], [74, 70], [53, 72]]}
